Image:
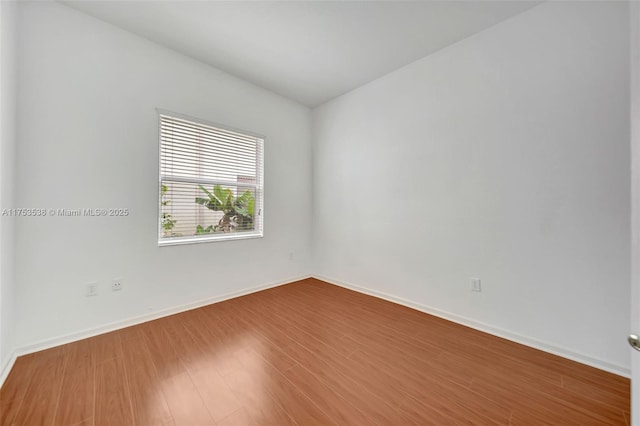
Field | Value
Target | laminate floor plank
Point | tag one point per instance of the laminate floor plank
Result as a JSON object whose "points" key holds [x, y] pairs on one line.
{"points": [[258, 402], [285, 333], [607, 414], [430, 388], [148, 403], [14, 388], [306, 353], [78, 384], [500, 364], [614, 398], [106, 346], [561, 366], [185, 402], [299, 407], [330, 402], [237, 418], [209, 333], [351, 386], [527, 403], [17, 381], [113, 399], [166, 360], [8, 411], [217, 397], [170, 356], [41, 397], [366, 333], [370, 320]]}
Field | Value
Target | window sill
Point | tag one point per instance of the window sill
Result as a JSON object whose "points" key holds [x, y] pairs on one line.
{"points": [[207, 239]]}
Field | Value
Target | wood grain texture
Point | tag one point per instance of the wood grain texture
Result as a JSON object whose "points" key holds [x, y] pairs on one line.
{"points": [[306, 353], [148, 404], [77, 392], [40, 400], [113, 398]]}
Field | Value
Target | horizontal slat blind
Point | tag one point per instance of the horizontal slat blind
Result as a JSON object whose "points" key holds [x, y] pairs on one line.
{"points": [[210, 181]]}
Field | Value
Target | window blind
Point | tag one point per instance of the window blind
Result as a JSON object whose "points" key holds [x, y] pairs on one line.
{"points": [[210, 182]]}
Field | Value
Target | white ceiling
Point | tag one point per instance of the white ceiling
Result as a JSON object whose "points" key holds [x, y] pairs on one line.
{"points": [[309, 51]]}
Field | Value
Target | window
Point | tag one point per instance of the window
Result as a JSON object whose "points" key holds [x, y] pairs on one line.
{"points": [[210, 182]]}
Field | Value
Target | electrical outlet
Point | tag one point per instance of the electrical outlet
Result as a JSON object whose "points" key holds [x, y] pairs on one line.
{"points": [[476, 284], [116, 284], [91, 289]]}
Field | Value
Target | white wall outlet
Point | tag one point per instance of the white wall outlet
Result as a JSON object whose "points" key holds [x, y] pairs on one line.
{"points": [[91, 289], [476, 284], [116, 284]]}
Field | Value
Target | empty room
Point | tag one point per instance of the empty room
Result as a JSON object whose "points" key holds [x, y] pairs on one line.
{"points": [[319, 213]]}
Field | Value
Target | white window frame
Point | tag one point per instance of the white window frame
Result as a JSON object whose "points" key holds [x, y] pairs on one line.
{"points": [[258, 231]]}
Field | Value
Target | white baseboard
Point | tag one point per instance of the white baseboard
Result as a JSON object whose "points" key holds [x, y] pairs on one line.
{"points": [[515, 337], [84, 334]]}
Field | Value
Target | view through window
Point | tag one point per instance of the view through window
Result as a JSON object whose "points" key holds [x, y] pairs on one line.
{"points": [[210, 182]]}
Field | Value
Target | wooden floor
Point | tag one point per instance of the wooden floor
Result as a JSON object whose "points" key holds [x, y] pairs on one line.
{"points": [[306, 353]]}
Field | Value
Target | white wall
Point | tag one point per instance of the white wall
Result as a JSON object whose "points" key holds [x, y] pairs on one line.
{"points": [[503, 157], [634, 326], [88, 138], [7, 157]]}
